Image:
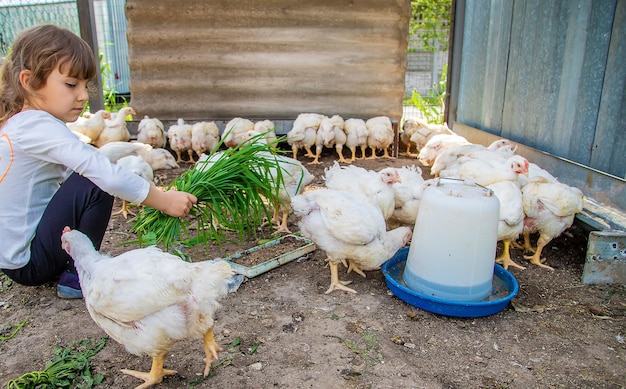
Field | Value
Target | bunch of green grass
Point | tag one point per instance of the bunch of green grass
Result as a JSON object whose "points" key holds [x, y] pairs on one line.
{"points": [[69, 368], [232, 191]]}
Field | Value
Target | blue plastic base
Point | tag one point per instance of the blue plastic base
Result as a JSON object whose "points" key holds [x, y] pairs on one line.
{"points": [[504, 288]]}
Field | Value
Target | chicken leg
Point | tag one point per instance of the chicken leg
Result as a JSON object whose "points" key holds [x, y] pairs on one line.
{"points": [[536, 259], [339, 149], [334, 279], [353, 266], [281, 222], [210, 349], [124, 211], [156, 374], [528, 248], [505, 258]]}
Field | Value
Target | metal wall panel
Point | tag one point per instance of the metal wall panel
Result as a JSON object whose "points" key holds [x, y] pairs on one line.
{"points": [[267, 59], [549, 75]]}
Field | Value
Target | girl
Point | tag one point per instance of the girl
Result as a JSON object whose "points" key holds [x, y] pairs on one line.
{"points": [[48, 178]]}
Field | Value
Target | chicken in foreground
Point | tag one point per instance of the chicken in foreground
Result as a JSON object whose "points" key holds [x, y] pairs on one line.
{"points": [[376, 186], [549, 209], [348, 228], [407, 196], [147, 300], [511, 218]]}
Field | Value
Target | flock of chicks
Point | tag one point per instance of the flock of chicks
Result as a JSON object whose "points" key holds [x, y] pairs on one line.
{"points": [[359, 218]]}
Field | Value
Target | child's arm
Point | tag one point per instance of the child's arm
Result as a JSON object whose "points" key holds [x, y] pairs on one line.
{"points": [[172, 202]]}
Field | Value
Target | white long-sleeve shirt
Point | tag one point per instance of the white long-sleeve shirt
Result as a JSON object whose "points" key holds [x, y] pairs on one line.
{"points": [[37, 153]]}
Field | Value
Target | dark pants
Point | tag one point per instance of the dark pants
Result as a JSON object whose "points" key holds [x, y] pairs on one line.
{"points": [[79, 204]]}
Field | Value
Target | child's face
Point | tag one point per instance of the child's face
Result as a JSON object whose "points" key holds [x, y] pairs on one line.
{"points": [[62, 96]]}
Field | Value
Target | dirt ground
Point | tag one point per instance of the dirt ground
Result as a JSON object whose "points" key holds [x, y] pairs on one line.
{"points": [[280, 330]]}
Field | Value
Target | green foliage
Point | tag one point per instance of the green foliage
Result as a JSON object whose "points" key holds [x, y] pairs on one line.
{"points": [[430, 20], [15, 331], [231, 192], [109, 94], [69, 368], [433, 106]]}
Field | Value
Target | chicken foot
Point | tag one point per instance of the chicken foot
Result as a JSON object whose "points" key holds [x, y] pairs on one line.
{"points": [[334, 279], [156, 374], [339, 150], [536, 259], [527, 247], [211, 348], [281, 222], [505, 258], [124, 211], [353, 266]]}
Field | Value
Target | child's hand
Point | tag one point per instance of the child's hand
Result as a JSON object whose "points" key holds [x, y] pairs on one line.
{"points": [[178, 203], [172, 202]]}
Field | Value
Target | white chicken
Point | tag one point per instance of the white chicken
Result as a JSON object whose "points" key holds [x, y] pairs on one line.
{"points": [[407, 196], [549, 209], [147, 300], [348, 228], [234, 130], [140, 167], [151, 131], [330, 134], [501, 148], [511, 219], [380, 135], [419, 132], [90, 125], [303, 133], [118, 149], [295, 177], [160, 159], [437, 145], [116, 129], [179, 136], [535, 170], [83, 138], [268, 129], [205, 136], [356, 136], [376, 186], [486, 171]]}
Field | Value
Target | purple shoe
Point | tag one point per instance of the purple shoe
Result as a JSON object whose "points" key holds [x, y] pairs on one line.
{"points": [[69, 287]]}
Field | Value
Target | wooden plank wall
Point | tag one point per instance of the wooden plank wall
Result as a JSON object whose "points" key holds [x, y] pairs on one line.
{"points": [[548, 74], [267, 59]]}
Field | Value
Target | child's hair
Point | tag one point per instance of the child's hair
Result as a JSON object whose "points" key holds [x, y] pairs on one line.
{"points": [[41, 49]]}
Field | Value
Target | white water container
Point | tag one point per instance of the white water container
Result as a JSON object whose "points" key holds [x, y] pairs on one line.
{"points": [[454, 242]]}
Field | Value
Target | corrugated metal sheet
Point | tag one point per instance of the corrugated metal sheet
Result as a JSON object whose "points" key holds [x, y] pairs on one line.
{"points": [[267, 59], [548, 74]]}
